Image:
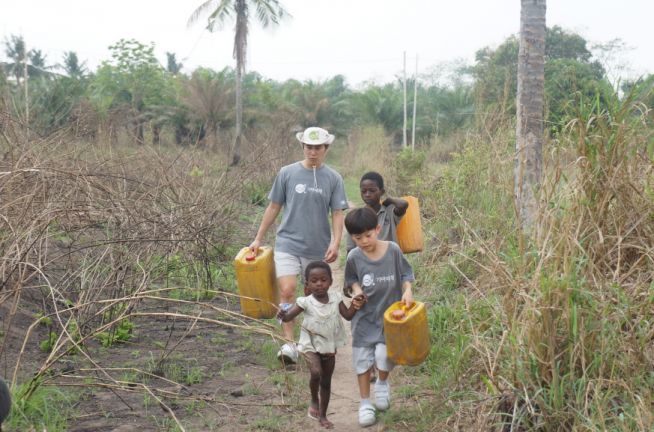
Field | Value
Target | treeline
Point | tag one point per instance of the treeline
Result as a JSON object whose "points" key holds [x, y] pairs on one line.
{"points": [[133, 93]]}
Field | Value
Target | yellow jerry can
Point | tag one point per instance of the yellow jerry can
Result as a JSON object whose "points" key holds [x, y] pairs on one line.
{"points": [[257, 284], [409, 230], [407, 333]]}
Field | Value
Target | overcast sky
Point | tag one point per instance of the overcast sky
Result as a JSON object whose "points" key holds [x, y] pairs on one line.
{"points": [[361, 39]]}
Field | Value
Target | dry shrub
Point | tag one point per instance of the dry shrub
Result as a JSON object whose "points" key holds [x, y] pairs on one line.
{"points": [[87, 233]]}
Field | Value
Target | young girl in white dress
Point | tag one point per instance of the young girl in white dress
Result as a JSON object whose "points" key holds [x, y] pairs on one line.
{"points": [[322, 332]]}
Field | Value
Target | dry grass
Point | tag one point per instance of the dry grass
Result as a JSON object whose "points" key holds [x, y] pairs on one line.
{"points": [[87, 233], [554, 333], [575, 348]]}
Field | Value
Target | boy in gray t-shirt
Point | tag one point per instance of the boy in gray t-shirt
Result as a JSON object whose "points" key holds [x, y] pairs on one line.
{"points": [[307, 190], [378, 270]]}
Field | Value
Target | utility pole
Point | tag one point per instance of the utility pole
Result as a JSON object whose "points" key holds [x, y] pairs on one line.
{"points": [[404, 143], [27, 101], [415, 103]]}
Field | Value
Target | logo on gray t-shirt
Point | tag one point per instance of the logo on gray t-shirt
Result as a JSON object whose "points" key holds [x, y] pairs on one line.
{"points": [[368, 279]]}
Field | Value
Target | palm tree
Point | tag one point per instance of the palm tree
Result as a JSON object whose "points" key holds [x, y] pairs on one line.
{"points": [[268, 12], [71, 66], [172, 65], [529, 129], [15, 50]]}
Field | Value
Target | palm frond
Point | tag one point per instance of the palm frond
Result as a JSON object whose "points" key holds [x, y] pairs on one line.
{"points": [[219, 11], [269, 12]]}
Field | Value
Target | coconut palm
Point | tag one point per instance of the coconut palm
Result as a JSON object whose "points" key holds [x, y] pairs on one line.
{"points": [[530, 101], [267, 12], [172, 65], [71, 65], [15, 50]]}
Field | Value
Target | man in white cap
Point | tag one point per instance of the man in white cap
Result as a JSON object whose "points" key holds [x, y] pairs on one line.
{"points": [[307, 190]]}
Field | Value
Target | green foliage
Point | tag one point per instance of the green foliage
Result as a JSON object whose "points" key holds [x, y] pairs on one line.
{"points": [[257, 192], [569, 75], [48, 344], [473, 187], [43, 320], [46, 408], [121, 332], [194, 279], [410, 171], [54, 102], [134, 82]]}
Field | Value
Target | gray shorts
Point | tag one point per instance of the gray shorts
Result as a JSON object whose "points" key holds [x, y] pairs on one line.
{"points": [[290, 265], [364, 357]]}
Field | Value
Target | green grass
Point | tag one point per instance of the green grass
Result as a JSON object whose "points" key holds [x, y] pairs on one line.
{"points": [[269, 421], [268, 355], [352, 190], [47, 408]]}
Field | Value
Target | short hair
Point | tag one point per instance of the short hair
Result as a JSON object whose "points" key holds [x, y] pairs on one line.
{"points": [[360, 220], [374, 176], [317, 264]]}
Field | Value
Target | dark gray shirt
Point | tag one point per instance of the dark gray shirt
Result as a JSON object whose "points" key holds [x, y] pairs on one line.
{"points": [[307, 197], [381, 280]]}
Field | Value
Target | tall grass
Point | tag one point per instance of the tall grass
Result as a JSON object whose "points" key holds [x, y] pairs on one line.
{"points": [[554, 333]]}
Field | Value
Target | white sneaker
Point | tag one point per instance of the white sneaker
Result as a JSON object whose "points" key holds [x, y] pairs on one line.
{"points": [[366, 415], [382, 396], [287, 354]]}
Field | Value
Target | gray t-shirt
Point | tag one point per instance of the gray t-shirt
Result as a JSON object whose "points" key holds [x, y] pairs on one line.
{"points": [[387, 220], [381, 280], [307, 197]]}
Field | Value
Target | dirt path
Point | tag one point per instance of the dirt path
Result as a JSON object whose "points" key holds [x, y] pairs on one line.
{"points": [[344, 404]]}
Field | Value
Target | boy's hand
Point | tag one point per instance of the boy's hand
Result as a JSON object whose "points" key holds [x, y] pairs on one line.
{"points": [[407, 298], [358, 301]]}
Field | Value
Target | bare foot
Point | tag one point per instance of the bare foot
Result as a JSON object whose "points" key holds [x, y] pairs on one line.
{"points": [[326, 423], [313, 412]]}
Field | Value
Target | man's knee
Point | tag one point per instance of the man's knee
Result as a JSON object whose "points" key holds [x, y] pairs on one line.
{"points": [[287, 286]]}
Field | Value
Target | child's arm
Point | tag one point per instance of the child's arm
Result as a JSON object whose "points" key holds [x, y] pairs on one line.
{"points": [[288, 315], [357, 303], [400, 205], [407, 294]]}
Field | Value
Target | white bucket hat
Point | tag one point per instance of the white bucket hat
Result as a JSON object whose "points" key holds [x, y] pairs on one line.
{"points": [[315, 136]]}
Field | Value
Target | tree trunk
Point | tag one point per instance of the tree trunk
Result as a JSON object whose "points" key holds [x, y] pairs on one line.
{"points": [[529, 129], [156, 134], [236, 144], [240, 49]]}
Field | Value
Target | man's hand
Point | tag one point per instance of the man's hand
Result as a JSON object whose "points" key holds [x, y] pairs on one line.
{"points": [[254, 246], [332, 253]]}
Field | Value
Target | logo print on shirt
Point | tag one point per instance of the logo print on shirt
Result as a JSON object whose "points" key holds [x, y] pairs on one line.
{"points": [[368, 279], [300, 188]]}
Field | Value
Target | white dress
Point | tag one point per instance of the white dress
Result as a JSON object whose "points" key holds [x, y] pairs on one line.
{"points": [[322, 328]]}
